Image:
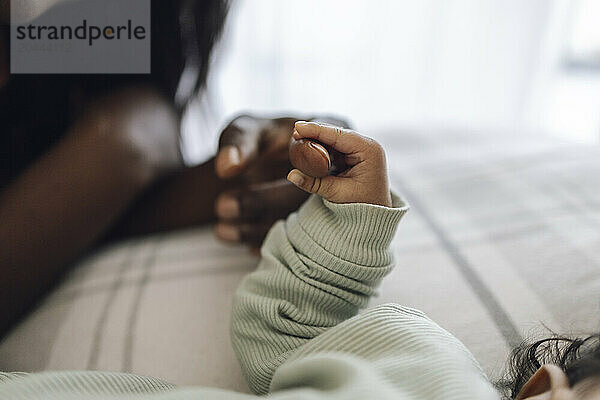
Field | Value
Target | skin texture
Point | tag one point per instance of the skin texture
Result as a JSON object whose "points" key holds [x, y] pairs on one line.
{"points": [[551, 383], [255, 151], [364, 181], [310, 157]]}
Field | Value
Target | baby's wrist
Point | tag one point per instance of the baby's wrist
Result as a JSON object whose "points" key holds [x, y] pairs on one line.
{"points": [[378, 195], [384, 200], [358, 232]]}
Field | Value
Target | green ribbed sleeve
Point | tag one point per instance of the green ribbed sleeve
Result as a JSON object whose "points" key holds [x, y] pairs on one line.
{"points": [[297, 330], [318, 269]]}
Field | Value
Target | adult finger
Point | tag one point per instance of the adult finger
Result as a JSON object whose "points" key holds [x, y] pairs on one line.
{"points": [[273, 199], [238, 146], [246, 233]]}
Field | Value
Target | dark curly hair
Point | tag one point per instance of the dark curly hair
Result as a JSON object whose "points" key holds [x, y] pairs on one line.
{"points": [[579, 358]]}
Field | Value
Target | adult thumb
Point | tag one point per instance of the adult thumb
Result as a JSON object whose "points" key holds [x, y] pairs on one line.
{"points": [[238, 146]]}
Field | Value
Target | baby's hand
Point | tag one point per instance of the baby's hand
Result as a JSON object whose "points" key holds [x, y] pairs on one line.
{"points": [[364, 181]]}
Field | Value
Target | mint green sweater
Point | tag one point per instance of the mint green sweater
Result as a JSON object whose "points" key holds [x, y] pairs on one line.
{"points": [[297, 330]]}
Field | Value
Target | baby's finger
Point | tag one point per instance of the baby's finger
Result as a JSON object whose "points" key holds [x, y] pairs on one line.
{"points": [[324, 187], [343, 140]]}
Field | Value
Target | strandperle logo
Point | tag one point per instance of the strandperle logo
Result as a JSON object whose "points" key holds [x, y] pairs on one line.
{"points": [[84, 31], [82, 37]]}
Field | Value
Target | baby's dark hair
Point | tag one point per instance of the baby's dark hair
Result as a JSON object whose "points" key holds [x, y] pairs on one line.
{"points": [[579, 358]]}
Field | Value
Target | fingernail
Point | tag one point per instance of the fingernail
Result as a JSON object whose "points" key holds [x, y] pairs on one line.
{"points": [[228, 233], [228, 207], [233, 155], [227, 161], [302, 123], [296, 178], [321, 150]]}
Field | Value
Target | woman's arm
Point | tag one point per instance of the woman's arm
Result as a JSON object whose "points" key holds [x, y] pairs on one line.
{"points": [[180, 200], [71, 196]]}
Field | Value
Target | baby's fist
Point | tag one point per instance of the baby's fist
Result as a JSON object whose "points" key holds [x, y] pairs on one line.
{"points": [[364, 181]]}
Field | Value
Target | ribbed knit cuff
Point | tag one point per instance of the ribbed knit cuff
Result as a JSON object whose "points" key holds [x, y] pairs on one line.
{"points": [[356, 232]]}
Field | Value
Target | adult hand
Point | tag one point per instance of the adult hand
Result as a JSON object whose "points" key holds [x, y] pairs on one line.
{"points": [[254, 152]]}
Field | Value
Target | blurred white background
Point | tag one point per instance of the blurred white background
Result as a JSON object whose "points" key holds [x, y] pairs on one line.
{"points": [[388, 65]]}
